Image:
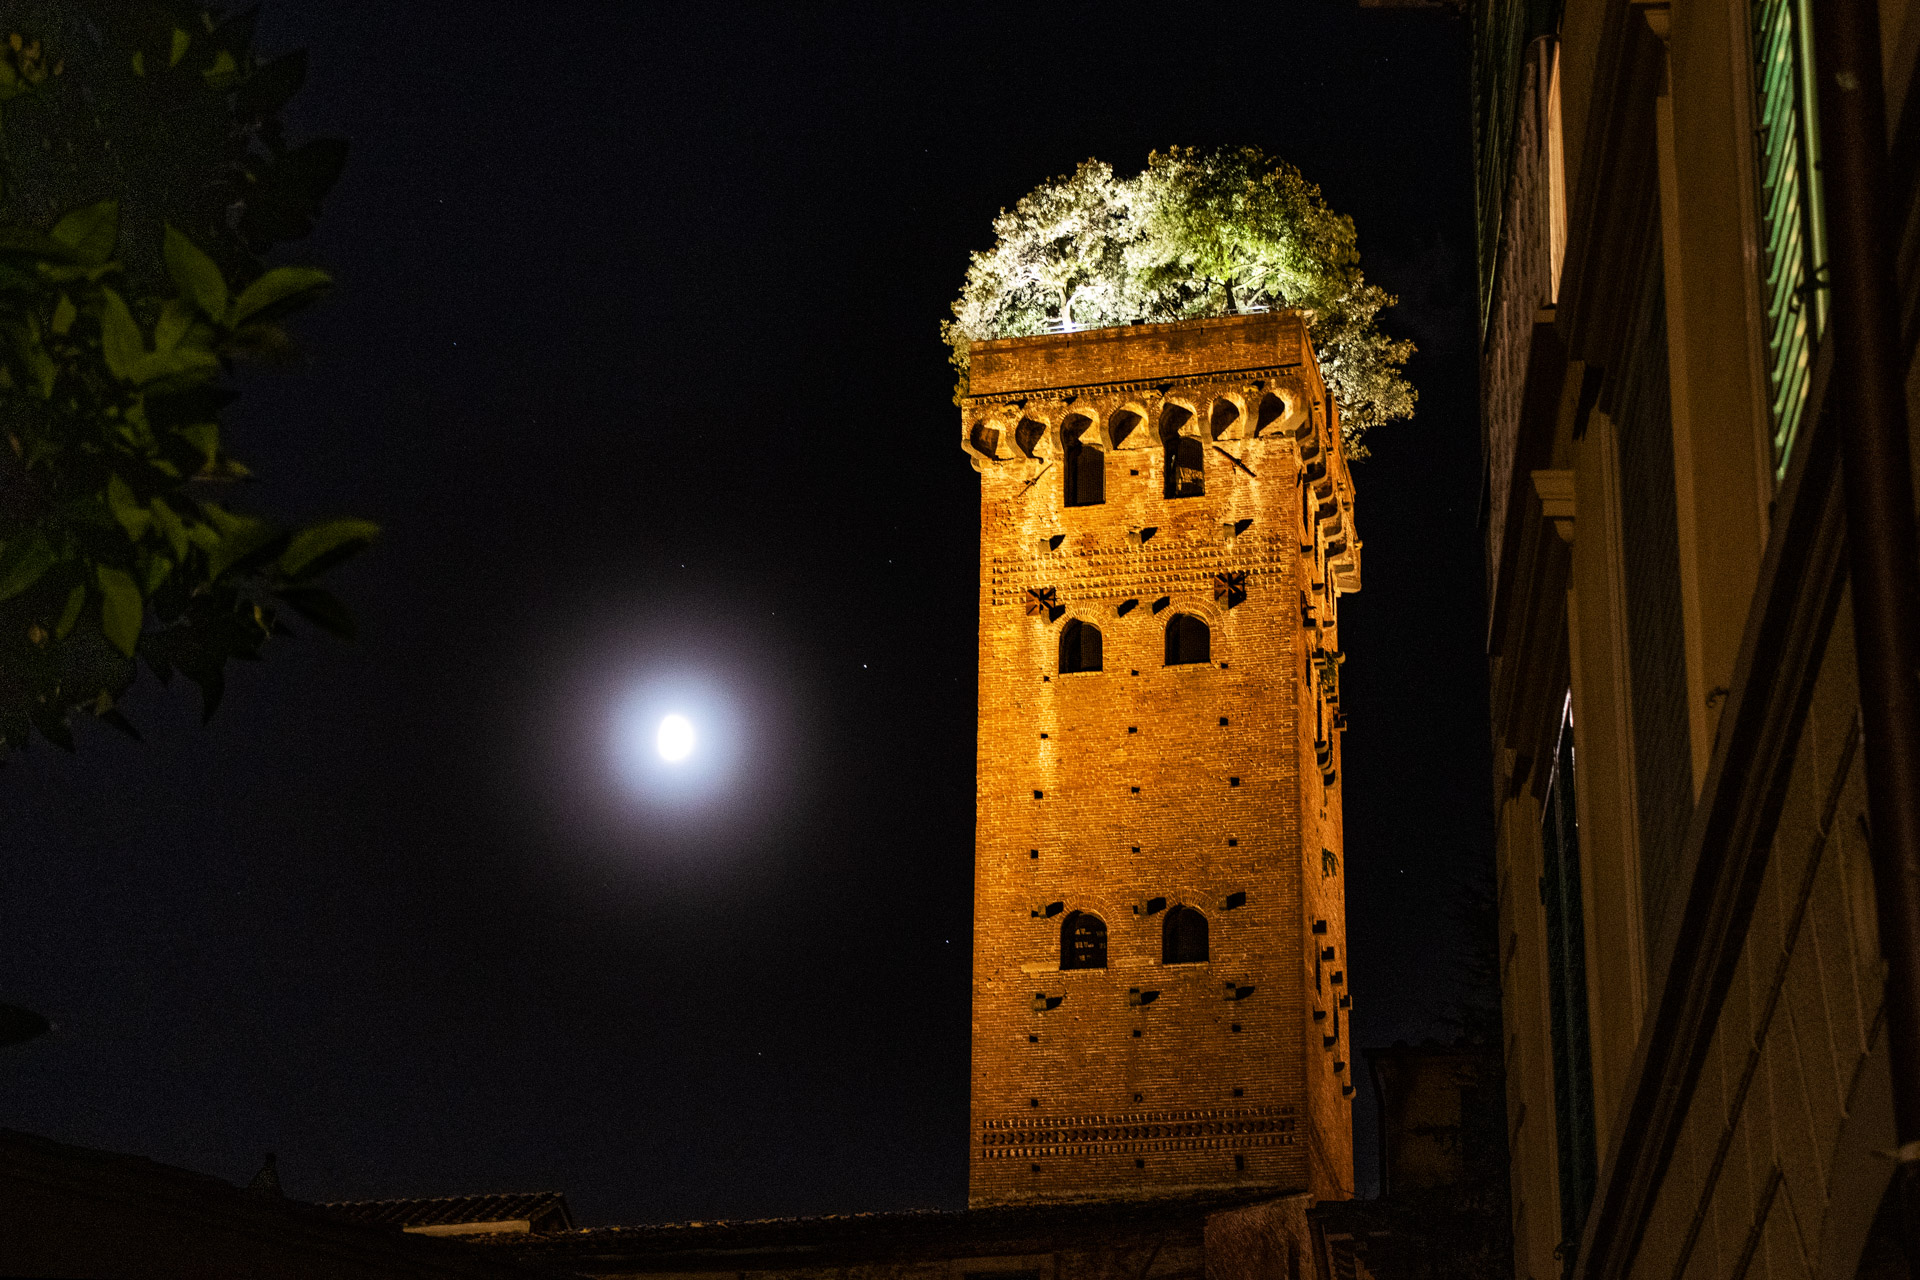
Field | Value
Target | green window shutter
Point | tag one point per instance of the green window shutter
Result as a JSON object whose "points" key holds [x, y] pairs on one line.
{"points": [[1792, 224]]}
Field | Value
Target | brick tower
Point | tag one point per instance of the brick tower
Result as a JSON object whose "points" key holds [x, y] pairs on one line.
{"points": [[1159, 953]]}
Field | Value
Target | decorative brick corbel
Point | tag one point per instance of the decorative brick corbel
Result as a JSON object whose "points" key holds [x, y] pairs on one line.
{"points": [[1555, 489]]}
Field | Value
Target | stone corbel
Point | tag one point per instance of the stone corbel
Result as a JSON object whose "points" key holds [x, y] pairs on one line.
{"points": [[1555, 491]]}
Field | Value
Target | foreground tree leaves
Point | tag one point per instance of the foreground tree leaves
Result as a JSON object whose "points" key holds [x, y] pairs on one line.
{"points": [[144, 173], [112, 546]]}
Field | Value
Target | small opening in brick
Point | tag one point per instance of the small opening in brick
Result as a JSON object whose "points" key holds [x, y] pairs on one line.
{"points": [[1238, 1093], [1033, 853], [1136, 848], [1319, 926], [1233, 782], [1136, 1033], [1043, 735], [1132, 728], [1223, 666], [1033, 1039], [1136, 791], [1139, 1163], [1139, 1097], [1045, 679], [1033, 1168], [1236, 899], [1135, 672], [1236, 1026], [1033, 1102], [1038, 794], [1223, 719], [1240, 1163]]}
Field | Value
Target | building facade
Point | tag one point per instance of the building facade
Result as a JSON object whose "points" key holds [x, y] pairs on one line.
{"points": [[1694, 983], [1159, 996]]}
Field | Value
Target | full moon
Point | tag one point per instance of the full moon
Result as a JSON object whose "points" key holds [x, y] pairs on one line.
{"points": [[675, 739]]}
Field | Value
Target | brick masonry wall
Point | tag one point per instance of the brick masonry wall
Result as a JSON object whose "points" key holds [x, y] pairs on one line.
{"points": [[1141, 787]]}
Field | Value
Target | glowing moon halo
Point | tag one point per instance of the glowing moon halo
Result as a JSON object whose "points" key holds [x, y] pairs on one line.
{"points": [[675, 739]]}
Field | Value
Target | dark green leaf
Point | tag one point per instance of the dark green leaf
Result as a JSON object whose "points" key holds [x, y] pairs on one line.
{"points": [[195, 275], [76, 600], [321, 546], [126, 508], [89, 234], [120, 608], [22, 562], [120, 339], [170, 528], [276, 293]]}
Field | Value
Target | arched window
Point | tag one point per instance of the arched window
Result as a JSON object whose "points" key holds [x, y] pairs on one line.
{"points": [[1028, 435], [1188, 640], [1225, 414], [1183, 937], [1186, 459], [1086, 465], [1083, 941], [1079, 647], [1272, 409]]}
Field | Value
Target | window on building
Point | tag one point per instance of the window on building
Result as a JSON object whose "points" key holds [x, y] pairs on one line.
{"points": [[1120, 427], [1086, 465], [1573, 1118], [1225, 414], [1272, 409], [1079, 647], [1186, 459], [1083, 941], [985, 439], [1188, 640], [1028, 436], [1183, 937], [1793, 237]]}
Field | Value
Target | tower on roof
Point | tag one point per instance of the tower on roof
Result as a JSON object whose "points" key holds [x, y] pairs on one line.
{"points": [[1159, 966]]}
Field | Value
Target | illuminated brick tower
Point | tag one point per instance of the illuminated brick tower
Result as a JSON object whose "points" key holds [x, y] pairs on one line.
{"points": [[1159, 953]]}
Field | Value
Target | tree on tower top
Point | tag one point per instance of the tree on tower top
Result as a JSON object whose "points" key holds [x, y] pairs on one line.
{"points": [[1195, 234]]}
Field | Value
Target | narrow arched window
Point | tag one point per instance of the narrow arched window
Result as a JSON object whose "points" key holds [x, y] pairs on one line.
{"points": [[1225, 414], [1079, 647], [1188, 640], [1083, 941], [1272, 409], [1086, 465], [1028, 436], [1186, 459], [1183, 937]]}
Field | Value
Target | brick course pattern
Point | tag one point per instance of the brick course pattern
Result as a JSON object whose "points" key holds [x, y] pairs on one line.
{"points": [[1142, 787]]}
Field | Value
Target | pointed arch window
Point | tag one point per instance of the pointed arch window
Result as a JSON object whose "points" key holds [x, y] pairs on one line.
{"points": [[1183, 937], [1186, 459], [1086, 464], [1189, 640], [1079, 647], [1083, 941]]}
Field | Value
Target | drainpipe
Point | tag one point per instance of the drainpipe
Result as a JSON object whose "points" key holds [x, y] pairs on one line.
{"points": [[1883, 550]]}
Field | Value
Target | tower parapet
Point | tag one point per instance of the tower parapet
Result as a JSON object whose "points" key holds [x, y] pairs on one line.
{"points": [[1160, 1001]]}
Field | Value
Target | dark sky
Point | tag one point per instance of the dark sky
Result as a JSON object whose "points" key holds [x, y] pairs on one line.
{"points": [[635, 356]]}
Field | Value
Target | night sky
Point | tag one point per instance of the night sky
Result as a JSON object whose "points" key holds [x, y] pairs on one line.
{"points": [[635, 356]]}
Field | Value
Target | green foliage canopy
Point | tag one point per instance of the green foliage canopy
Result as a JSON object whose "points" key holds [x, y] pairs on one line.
{"points": [[1194, 234], [120, 539]]}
